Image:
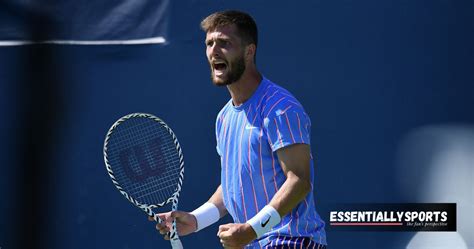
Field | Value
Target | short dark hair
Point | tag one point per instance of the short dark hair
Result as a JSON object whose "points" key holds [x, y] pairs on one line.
{"points": [[245, 24]]}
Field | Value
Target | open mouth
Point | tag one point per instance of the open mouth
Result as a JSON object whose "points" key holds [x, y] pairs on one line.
{"points": [[219, 67]]}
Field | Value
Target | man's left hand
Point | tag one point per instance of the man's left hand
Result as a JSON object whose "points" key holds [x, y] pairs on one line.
{"points": [[236, 236]]}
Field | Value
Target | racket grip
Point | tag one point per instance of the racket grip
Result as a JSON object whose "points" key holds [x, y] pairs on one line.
{"points": [[176, 244], [157, 218]]}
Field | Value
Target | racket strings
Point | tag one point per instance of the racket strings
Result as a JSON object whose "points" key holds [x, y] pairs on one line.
{"points": [[156, 190], [162, 158]]}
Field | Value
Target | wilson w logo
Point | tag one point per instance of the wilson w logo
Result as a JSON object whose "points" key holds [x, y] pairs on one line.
{"points": [[142, 161]]}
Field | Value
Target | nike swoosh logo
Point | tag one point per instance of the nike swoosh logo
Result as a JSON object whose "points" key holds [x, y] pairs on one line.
{"points": [[265, 223]]}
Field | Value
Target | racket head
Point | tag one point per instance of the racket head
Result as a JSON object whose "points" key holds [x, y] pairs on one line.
{"points": [[144, 160]]}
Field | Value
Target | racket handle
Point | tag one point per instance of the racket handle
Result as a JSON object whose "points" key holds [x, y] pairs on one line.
{"points": [[157, 218], [176, 244]]}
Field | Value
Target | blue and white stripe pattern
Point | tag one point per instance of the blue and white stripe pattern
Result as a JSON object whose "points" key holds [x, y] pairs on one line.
{"points": [[248, 137], [283, 242]]}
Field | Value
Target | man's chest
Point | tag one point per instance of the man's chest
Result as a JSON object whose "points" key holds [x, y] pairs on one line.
{"points": [[242, 137]]}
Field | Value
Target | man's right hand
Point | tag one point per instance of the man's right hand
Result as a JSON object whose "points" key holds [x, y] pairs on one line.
{"points": [[185, 223]]}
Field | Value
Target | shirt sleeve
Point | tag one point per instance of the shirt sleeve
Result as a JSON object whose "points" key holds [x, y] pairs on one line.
{"points": [[218, 151], [288, 127], [218, 127]]}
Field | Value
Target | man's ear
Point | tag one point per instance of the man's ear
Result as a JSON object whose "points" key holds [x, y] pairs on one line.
{"points": [[250, 52]]}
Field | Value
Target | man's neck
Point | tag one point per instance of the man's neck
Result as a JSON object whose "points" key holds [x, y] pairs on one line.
{"points": [[242, 90]]}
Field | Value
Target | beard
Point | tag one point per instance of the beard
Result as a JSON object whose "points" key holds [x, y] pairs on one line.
{"points": [[234, 73]]}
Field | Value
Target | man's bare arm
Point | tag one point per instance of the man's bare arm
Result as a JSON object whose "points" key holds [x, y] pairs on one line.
{"points": [[295, 163], [218, 200]]}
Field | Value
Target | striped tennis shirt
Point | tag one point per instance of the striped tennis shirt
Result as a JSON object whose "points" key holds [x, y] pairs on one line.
{"points": [[248, 137]]}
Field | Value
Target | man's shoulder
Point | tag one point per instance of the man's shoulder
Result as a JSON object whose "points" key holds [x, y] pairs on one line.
{"points": [[276, 100]]}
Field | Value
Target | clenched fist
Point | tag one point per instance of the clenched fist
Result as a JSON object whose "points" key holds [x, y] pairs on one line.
{"points": [[236, 236]]}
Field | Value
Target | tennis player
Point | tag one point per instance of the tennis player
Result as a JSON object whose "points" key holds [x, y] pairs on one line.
{"points": [[263, 140]]}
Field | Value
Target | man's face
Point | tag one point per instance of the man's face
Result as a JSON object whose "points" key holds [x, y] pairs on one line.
{"points": [[225, 54]]}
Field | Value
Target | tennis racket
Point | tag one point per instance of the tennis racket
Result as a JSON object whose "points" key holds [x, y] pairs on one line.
{"points": [[145, 162]]}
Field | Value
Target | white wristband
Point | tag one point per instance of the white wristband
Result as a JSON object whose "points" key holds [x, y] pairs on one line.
{"points": [[206, 215], [265, 220]]}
